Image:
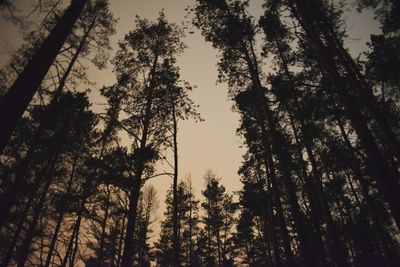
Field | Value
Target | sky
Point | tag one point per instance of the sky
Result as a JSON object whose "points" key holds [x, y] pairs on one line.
{"points": [[212, 144]]}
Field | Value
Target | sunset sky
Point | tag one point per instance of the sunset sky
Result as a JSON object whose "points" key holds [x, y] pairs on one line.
{"points": [[212, 144]]}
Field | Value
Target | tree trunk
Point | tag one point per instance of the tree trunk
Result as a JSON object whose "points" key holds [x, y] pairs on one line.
{"points": [[121, 240], [127, 256], [74, 251], [103, 227], [190, 224], [75, 232], [16, 100], [176, 243]]}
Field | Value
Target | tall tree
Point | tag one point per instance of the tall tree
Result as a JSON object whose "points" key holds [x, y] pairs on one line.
{"points": [[17, 98], [145, 52]]}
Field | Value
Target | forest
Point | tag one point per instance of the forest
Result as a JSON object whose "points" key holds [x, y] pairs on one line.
{"points": [[319, 126]]}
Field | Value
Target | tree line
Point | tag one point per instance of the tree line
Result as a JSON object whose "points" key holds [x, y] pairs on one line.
{"points": [[321, 130]]}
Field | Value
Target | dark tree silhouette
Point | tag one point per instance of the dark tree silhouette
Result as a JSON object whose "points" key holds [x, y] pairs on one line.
{"points": [[15, 101]]}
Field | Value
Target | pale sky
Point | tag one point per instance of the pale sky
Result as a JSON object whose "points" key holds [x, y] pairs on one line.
{"points": [[212, 143]]}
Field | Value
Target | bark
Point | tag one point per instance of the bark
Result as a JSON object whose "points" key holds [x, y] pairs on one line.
{"points": [[17, 99]]}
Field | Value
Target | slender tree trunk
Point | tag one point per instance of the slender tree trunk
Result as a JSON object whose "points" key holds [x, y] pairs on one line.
{"points": [[190, 224], [103, 228], [268, 213], [310, 181], [176, 243], [75, 233], [283, 157], [47, 170], [337, 248], [121, 240], [219, 248], [16, 100], [285, 162], [127, 256], [75, 250]]}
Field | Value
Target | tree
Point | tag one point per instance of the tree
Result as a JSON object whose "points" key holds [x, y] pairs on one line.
{"points": [[188, 225], [93, 30], [17, 98], [147, 50], [218, 221]]}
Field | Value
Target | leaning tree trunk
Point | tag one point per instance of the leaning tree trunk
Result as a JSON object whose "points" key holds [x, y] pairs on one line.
{"points": [[16, 100]]}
